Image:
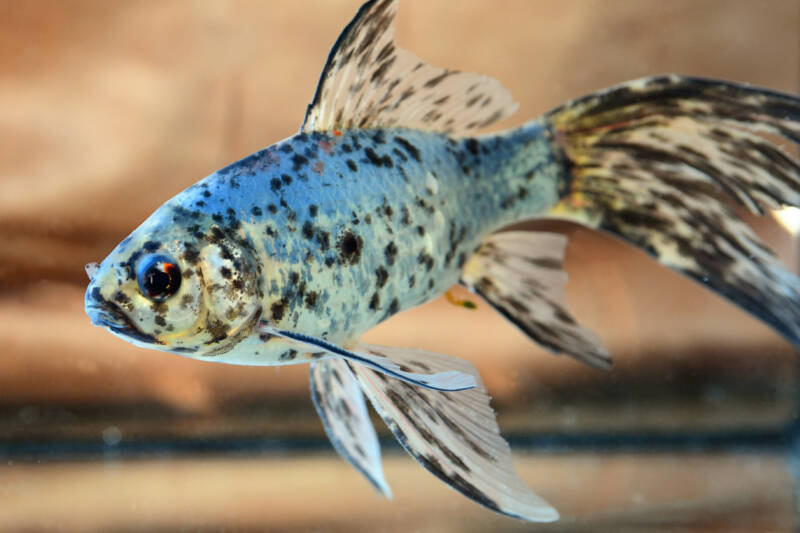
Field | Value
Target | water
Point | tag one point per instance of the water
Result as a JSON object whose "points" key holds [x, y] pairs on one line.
{"points": [[108, 112]]}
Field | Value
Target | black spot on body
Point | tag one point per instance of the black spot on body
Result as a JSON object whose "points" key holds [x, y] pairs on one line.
{"points": [[275, 184], [412, 150], [350, 245], [121, 298], [390, 252], [378, 161], [382, 276], [323, 238], [256, 211], [394, 306], [352, 165], [272, 208], [312, 210], [375, 302], [217, 234], [151, 246], [308, 229], [299, 161], [472, 146], [190, 254], [278, 309], [406, 220], [288, 355], [311, 299]]}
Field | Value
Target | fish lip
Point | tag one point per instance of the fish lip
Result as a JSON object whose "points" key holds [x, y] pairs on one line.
{"points": [[109, 316]]}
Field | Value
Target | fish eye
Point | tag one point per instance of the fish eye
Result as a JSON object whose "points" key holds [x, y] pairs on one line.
{"points": [[159, 277]]}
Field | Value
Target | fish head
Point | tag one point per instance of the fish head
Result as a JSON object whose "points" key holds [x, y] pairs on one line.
{"points": [[178, 286]]}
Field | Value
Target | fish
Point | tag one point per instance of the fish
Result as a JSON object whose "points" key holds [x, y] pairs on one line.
{"points": [[390, 193]]}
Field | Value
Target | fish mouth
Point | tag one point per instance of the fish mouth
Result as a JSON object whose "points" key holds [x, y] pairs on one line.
{"points": [[106, 314]]}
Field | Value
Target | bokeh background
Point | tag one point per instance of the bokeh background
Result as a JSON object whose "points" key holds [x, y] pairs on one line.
{"points": [[109, 108]]}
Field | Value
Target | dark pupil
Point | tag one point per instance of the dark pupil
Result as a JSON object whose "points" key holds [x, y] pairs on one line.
{"points": [[161, 280]]}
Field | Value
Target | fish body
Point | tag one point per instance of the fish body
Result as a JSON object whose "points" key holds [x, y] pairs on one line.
{"points": [[387, 197], [343, 231]]}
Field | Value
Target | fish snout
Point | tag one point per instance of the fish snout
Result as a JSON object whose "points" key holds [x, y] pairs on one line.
{"points": [[101, 312]]}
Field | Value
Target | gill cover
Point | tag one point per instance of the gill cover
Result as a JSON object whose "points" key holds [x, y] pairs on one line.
{"points": [[168, 289]]}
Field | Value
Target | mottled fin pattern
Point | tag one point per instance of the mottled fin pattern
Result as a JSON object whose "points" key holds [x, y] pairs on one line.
{"points": [[452, 434], [368, 82], [655, 160], [340, 404], [520, 274], [446, 380]]}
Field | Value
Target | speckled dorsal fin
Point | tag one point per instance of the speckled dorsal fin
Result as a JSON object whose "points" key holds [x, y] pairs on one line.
{"points": [[446, 380], [340, 404], [452, 434], [657, 161], [368, 82], [520, 274]]}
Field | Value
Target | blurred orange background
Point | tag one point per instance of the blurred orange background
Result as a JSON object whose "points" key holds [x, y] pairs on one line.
{"points": [[109, 108]]}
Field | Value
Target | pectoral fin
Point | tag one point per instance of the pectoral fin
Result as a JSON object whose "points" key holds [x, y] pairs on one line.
{"points": [[340, 404], [380, 359]]}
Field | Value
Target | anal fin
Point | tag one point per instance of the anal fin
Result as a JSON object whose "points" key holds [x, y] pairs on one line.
{"points": [[520, 274], [454, 435]]}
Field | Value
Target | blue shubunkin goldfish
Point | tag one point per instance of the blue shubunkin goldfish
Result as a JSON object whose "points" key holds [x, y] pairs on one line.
{"points": [[387, 197]]}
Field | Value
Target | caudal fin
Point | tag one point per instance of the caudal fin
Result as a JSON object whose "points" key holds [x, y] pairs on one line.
{"points": [[656, 161]]}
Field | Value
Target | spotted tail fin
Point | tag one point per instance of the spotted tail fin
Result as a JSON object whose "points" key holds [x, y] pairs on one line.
{"points": [[656, 161]]}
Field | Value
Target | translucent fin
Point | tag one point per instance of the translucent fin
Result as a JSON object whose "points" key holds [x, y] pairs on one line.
{"points": [[519, 273], [448, 380], [655, 160], [452, 434], [368, 82], [340, 404]]}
